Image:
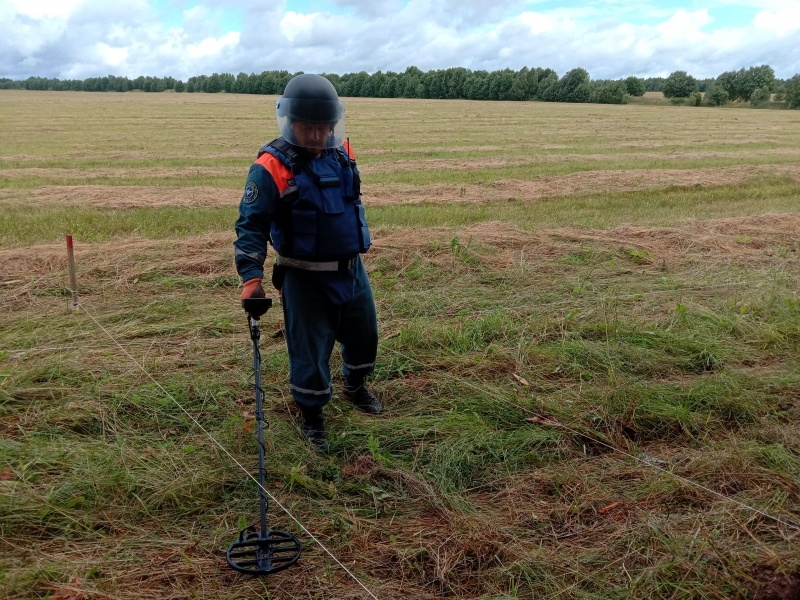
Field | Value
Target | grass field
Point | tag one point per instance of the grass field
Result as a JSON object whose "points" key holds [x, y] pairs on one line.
{"points": [[590, 333]]}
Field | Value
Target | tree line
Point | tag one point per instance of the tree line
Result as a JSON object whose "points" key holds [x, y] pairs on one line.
{"points": [[757, 86]]}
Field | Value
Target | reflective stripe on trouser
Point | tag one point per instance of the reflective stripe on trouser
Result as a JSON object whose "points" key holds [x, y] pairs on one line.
{"points": [[313, 324]]}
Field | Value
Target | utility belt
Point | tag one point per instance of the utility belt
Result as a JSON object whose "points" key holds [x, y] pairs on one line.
{"points": [[308, 265]]}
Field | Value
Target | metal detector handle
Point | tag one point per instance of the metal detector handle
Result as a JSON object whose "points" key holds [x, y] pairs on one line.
{"points": [[256, 307]]}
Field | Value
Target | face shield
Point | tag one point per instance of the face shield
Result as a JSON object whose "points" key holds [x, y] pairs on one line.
{"points": [[311, 122]]}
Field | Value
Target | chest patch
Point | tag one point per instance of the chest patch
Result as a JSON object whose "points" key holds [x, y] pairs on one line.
{"points": [[250, 192]]}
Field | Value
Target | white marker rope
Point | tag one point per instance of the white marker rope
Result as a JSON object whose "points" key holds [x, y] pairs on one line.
{"points": [[225, 450], [646, 462]]}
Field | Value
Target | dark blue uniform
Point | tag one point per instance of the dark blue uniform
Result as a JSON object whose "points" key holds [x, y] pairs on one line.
{"points": [[310, 210]]}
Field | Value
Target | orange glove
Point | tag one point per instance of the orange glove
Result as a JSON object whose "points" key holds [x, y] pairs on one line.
{"points": [[252, 289]]}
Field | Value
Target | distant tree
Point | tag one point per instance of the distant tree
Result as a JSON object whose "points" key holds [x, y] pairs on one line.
{"points": [[456, 82], [716, 95], [501, 85], [679, 85], [409, 84], [730, 81], [527, 81], [759, 78], [251, 87], [760, 97], [333, 78], [521, 88], [634, 86], [741, 84], [704, 84], [792, 91], [123, 84], [378, 84], [573, 87], [355, 84], [241, 84], [477, 85], [609, 92], [369, 89], [412, 87], [436, 84], [654, 84], [227, 82], [547, 83], [198, 83], [214, 84], [266, 83], [506, 84]]}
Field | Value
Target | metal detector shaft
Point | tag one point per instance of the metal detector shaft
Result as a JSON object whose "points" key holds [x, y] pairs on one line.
{"points": [[262, 551], [255, 334]]}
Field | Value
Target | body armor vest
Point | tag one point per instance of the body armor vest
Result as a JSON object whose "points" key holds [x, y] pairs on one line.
{"points": [[320, 216]]}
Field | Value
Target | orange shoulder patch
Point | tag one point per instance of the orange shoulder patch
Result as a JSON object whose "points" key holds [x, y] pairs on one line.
{"points": [[280, 173]]}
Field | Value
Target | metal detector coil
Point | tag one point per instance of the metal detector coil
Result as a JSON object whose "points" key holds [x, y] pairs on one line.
{"points": [[260, 550]]}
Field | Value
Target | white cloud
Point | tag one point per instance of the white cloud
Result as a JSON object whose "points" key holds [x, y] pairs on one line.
{"points": [[212, 46], [541, 23], [39, 9], [781, 22], [295, 26], [112, 57], [684, 27], [609, 38]]}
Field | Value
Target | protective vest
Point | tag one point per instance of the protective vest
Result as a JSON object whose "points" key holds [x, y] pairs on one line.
{"points": [[320, 216]]}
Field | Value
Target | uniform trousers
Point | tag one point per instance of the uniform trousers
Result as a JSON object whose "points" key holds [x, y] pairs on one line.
{"points": [[320, 309]]}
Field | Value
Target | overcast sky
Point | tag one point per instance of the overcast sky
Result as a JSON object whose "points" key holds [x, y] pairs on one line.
{"points": [[76, 39]]}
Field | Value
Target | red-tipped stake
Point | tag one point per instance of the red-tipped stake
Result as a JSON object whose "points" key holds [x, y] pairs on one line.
{"points": [[73, 286]]}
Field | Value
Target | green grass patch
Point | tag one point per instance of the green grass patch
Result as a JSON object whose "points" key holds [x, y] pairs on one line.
{"points": [[592, 394]]}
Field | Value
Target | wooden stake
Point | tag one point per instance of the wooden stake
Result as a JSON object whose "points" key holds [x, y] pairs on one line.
{"points": [[73, 286]]}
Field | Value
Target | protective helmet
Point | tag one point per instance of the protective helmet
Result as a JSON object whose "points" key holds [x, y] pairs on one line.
{"points": [[311, 99]]}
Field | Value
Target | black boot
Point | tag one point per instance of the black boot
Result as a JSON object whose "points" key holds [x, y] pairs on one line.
{"points": [[363, 399], [313, 428]]}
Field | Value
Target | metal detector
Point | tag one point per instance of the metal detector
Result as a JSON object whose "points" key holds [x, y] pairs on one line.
{"points": [[259, 550]]}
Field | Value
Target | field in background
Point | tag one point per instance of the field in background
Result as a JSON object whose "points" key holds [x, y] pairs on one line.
{"points": [[589, 358]]}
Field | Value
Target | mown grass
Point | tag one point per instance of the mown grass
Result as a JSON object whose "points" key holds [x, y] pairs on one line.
{"points": [[664, 207], [590, 395]]}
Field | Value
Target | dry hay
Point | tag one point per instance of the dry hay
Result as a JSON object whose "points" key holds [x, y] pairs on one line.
{"points": [[743, 239], [554, 186], [454, 164], [111, 196], [210, 254], [114, 173], [585, 182]]}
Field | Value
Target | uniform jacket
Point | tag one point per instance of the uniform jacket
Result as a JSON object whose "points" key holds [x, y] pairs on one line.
{"points": [[308, 208]]}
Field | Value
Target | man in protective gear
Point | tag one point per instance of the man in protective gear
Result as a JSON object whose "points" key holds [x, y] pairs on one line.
{"points": [[303, 196]]}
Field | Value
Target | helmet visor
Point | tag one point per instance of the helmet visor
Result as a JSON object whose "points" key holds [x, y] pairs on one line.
{"points": [[311, 123]]}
